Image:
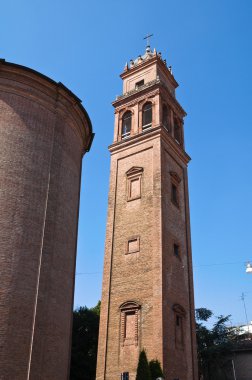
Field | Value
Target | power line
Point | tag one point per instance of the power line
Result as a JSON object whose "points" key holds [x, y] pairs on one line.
{"points": [[215, 264], [195, 266], [81, 273]]}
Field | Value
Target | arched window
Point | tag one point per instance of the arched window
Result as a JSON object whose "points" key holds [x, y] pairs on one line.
{"points": [[165, 120], [147, 115], [126, 124]]}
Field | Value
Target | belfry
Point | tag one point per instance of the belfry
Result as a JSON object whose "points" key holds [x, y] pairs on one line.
{"points": [[147, 296]]}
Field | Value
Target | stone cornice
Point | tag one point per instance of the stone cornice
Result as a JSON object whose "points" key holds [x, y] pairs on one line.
{"points": [[175, 147], [176, 105], [150, 89], [147, 63], [135, 93], [152, 133], [133, 100]]}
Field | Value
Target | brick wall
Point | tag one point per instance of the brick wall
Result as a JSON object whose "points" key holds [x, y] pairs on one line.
{"points": [[43, 135], [152, 277]]}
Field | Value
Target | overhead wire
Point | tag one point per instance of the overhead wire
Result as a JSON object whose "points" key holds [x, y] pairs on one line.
{"points": [[194, 266]]}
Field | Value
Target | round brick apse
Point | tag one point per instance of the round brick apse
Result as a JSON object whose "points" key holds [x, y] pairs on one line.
{"points": [[44, 133]]}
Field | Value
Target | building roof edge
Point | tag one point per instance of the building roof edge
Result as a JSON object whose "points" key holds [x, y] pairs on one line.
{"points": [[57, 85]]}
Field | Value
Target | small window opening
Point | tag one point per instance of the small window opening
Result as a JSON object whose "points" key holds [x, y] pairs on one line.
{"points": [[176, 250], [179, 331], [147, 115], [178, 320], [125, 376], [139, 84], [126, 124], [174, 194]]}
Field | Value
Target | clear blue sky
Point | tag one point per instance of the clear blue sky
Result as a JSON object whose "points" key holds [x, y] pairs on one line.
{"points": [[85, 44]]}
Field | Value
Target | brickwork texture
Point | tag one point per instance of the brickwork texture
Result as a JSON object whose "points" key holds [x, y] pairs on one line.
{"points": [[155, 277], [44, 132]]}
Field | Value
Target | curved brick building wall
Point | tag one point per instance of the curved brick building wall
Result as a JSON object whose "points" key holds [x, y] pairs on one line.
{"points": [[44, 132]]}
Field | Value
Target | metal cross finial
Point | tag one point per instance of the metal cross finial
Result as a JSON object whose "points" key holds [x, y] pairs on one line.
{"points": [[147, 38]]}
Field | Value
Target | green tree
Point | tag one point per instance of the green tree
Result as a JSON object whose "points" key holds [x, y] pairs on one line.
{"points": [[143, 370], [214, 345], [97, 308], [155, 369], [84, 343]]}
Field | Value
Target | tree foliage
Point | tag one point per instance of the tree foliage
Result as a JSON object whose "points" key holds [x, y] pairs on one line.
{"points": [[214, 345], [84, 343], [143, 370], [155, 369]]}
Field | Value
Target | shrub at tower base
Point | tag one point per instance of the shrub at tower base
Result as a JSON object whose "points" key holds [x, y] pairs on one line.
{"points": [[155, 369], [143, 370]]}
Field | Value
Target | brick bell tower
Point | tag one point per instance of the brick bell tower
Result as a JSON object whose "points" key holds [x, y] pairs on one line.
{"points": [[147, 297]]}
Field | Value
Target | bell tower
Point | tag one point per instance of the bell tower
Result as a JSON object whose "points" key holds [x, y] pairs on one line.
{"points": [[147, 296]]}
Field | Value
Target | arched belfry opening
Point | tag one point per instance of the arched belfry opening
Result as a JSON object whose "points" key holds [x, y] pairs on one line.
{"points": [[147, 115], [126, 124], [166, 117], [178, 131]]}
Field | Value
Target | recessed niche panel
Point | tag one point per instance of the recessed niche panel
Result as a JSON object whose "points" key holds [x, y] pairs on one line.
{"points": [[135, 188], [133, 245], [134, 183], [179, 317], [130, 321]]}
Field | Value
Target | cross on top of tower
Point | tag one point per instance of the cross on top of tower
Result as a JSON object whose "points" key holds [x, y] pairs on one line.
{"points": [[148, 54], [147, 38]]}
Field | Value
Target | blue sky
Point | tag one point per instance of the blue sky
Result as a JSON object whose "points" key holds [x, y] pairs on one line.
{"points": [[85, 44]]}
